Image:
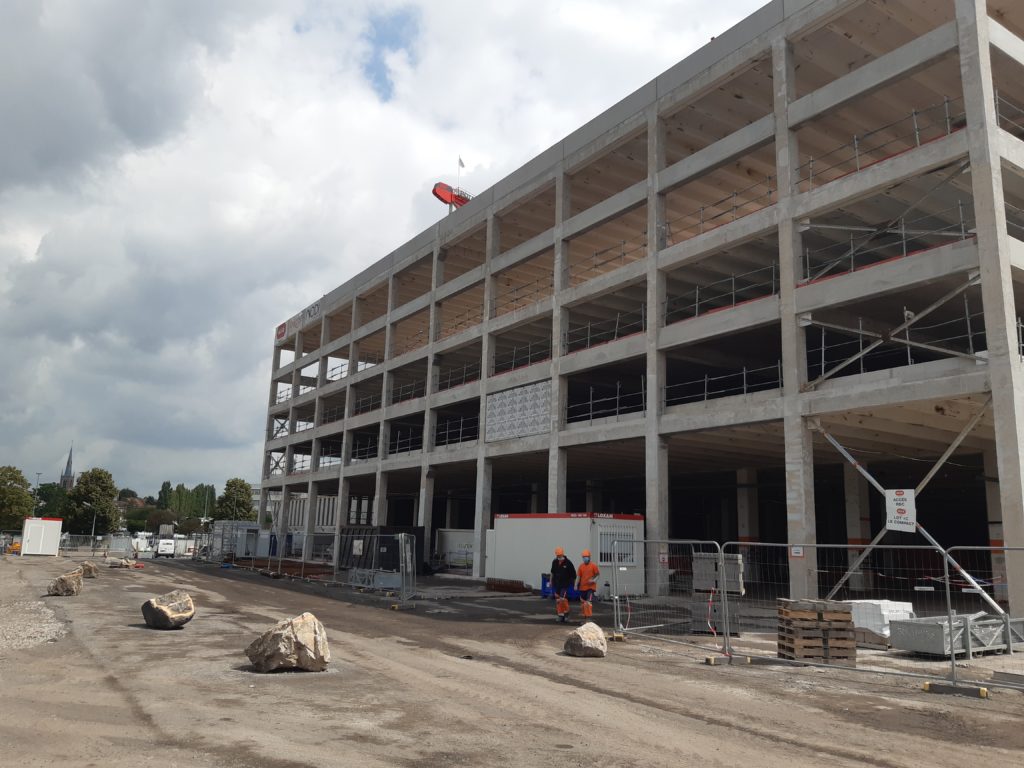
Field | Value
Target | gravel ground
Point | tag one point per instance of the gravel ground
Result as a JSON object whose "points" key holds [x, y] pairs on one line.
{"points": [[23, 623], [482, 684]]}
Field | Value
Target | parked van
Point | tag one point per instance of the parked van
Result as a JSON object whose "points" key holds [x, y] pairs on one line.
{"points": [[164, 548]]}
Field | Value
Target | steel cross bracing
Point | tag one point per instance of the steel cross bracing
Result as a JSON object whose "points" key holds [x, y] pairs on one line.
{"points": [[968, 428], [890, 336], [958, 171]]}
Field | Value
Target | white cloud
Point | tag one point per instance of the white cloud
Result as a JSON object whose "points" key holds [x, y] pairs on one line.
{"points": [[179, 178]]}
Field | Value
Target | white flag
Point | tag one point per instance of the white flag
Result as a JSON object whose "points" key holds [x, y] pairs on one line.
{"points": [[461, 164]]}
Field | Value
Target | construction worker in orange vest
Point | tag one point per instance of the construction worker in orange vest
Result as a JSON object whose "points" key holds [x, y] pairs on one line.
{"points": [[563, 574], [587, 584]]}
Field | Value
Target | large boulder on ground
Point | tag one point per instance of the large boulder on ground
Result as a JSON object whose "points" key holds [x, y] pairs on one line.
{"points": [[89, 569], [118, 562], [67, 584], [587, 640], [170, 611], [298, 643]]}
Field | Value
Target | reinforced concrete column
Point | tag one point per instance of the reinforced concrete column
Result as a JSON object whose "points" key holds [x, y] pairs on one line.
{"points": [[1004, 362], [312, 501], [481, 514], [857, 496], [747, 522], [799, 456], [557, 456], [994, 514], [656, 498], [482, 486], [341, 516], [425, 510], [281, 527], [379, 510]]}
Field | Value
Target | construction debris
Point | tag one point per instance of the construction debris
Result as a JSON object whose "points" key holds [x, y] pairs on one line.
{"points": [[297, 643], [587, 640], [171, 611], [67, 584]]}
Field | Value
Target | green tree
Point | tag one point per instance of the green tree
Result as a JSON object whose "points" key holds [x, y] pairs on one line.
{"points": [[126, 493], [53, 500], [16, 500], [93, 494], [189, 526], [236, 502], [163, 499], [158, 517], [181, 501]]}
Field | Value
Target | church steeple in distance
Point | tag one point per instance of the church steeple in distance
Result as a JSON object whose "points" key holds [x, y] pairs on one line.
{"points": [[67, 478]]}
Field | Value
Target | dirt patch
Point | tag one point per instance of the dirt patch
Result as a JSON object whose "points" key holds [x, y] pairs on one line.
{"points": [[480, 684]]}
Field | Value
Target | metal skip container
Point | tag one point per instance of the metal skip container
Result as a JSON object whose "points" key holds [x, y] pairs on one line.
{"points": [[972, 633]]}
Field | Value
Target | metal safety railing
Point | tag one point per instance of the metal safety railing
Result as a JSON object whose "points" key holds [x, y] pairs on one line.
{"points": [[910, 610], [728, 292], [742, 382], [338, 371], [405, 440], [521, 356], [512, 297], [409, 343], [469, 318], [726, 209], [365, 448], [456, 377], [907, 132], [581, 336], [867, 245], [367, 403], [607, 259], [947, 338], [331, 415], [460, 430], [602, 403], [408, 391]]}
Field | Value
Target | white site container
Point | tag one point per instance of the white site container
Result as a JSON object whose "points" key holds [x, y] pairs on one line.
{"points": [[521, 547], [41, 535]]}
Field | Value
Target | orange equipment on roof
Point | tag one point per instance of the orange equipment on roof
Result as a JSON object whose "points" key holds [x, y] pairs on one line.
{"points": [[453, 196]]}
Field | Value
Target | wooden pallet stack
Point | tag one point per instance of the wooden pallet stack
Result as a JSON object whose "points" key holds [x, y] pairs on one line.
{"points": [[820, 631]]}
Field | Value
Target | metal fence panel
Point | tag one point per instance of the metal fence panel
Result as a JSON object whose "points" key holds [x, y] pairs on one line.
{"points": [[678, 595], [989, 647]]}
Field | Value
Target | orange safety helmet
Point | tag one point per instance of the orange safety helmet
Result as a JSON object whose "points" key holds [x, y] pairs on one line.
{"points": [[585, 553], [559, 552]]}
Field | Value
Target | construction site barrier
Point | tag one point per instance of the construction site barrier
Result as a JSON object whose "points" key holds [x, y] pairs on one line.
{"points": [[914, 611]]}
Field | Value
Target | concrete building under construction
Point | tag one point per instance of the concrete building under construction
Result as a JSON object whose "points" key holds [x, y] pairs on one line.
{"points": [[809, 230]]}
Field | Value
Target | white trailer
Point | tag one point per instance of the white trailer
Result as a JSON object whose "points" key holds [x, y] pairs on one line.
{"points": [[41, 535], [521, 547]]}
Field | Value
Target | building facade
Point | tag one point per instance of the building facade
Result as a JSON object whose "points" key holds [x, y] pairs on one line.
{"points": [[809, 230]]}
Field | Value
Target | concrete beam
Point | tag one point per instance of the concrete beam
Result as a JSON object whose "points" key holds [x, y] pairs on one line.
{"points": [[603, 354], [723, 412], [733, 146], [869, 181], [876, 74], [925, 381], [616, 280], [888, 277], [616, 205], [1011, 150], [763, 222], [751, 314], [581, 433], [1006, 41], [523, 251]]}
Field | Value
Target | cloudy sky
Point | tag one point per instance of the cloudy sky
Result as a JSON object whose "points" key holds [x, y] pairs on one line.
{"points": [[176, 178]]}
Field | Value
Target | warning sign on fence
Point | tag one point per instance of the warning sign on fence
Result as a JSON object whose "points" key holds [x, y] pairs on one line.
{"points": [[900, 510]]}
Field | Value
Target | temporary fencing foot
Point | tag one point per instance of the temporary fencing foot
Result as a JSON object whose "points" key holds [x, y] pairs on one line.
{"points": [[957, 690]]}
